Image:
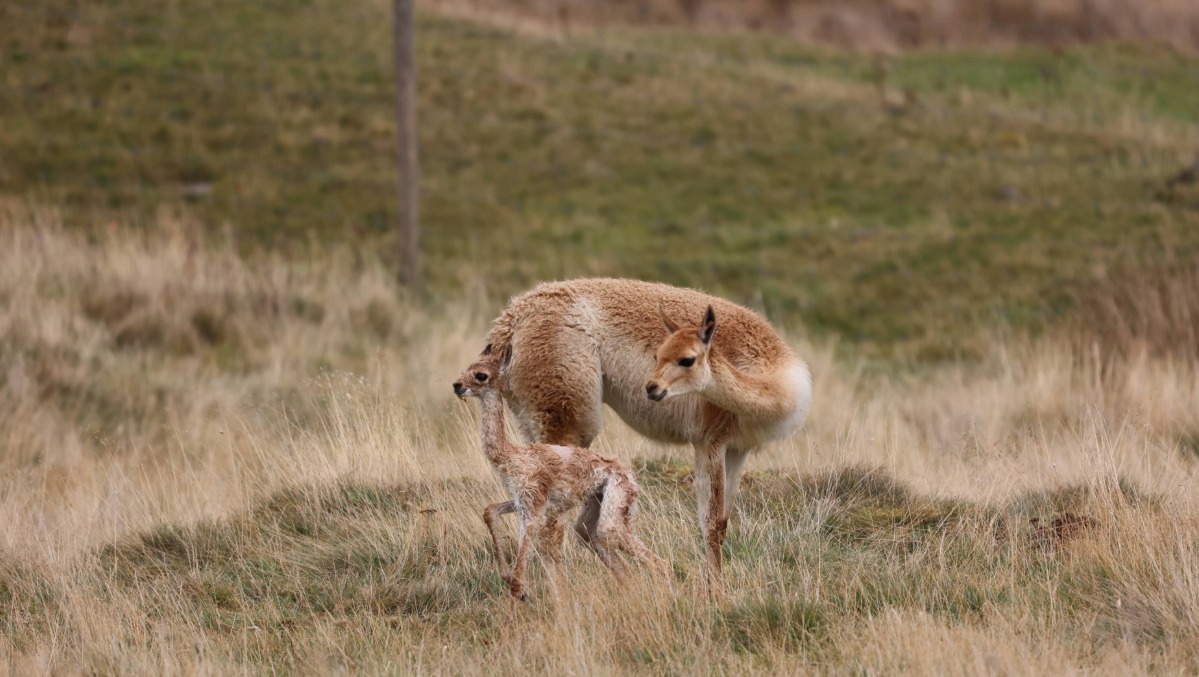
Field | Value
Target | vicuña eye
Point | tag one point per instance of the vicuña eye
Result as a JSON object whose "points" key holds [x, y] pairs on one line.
{"points": [[480, 377], [686, 361]]}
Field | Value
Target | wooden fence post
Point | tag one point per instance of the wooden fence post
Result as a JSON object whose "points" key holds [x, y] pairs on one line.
{"points": [[408, 167]]}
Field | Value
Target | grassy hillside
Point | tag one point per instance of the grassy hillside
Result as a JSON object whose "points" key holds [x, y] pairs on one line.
{"points": [[897, 206]]}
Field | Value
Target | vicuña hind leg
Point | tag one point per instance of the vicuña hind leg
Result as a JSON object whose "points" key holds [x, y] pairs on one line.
{"points": [[734, 467], [570, 412]]}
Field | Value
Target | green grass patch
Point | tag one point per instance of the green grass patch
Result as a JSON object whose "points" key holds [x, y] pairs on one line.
{"points": [[29, 604], [774, 623]]}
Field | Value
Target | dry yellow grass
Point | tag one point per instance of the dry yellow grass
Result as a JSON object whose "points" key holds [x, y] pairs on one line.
{"points": [[215, 465]]}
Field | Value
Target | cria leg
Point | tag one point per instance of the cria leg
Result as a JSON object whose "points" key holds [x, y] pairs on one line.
{"points": [[587, 527], [491, 518], [551, 539], [615, 514], [585, 524], [616, 525], [534, 521]]}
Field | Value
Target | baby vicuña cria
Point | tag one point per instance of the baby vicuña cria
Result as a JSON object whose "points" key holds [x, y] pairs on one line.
{"points": [[546, 480]]}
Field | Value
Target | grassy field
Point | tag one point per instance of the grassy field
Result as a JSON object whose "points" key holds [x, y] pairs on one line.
{"points": [[227, 438], [215, 465], [899, 206]]}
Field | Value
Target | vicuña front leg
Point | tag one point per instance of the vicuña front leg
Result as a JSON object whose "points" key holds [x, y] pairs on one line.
{"points": [[709, 492]]}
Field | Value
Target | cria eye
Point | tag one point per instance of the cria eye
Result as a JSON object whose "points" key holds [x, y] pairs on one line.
{"points": [[686, 361], [480, 377]]}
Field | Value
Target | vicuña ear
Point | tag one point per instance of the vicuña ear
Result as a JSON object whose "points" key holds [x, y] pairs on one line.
{"points": [[708, 326], [671, 327], [487, 349]]}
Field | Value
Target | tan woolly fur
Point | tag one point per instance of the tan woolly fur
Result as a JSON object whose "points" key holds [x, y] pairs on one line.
{"points": [[548, 480], [567, 348]]}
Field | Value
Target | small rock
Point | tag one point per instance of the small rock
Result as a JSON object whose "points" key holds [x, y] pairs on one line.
{"points": [[197, 189], [1008, 194]]}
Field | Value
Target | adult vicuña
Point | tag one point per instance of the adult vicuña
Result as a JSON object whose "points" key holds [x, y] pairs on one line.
{"points": [[567, 348], [547, 480]]}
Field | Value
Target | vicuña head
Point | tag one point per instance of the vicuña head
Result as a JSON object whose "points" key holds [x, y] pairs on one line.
{"points": [[480, 376], [683, 364]]}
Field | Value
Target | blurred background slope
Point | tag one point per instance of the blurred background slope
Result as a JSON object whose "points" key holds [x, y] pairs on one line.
{"points": [[884, 24], [898, 200]]}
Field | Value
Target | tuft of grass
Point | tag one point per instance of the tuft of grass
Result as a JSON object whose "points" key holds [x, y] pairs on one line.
{"points": [[29, 603], [858, 485], [772, 624]]}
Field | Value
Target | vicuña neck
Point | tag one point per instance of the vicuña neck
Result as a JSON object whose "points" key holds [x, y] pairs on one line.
{"points": [[491, 426], [757, 397]]}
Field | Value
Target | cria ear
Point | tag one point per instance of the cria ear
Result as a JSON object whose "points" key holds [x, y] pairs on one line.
{"points": [[708, 326], [671, 327], [487, 349]]}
